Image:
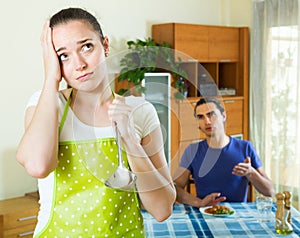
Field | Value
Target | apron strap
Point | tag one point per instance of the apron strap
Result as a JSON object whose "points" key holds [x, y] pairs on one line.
{"points": [[63, 119]]}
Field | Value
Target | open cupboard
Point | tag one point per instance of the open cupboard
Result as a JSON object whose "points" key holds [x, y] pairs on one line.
{"points": [[220, 51]]}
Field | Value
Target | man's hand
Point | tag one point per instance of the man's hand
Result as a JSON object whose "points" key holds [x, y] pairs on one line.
{"points": [[212, 199], [243, 169]]}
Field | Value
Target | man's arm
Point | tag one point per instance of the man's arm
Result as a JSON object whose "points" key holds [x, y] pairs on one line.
{"points": [[257, 177], [261, 182], [181, 178]]}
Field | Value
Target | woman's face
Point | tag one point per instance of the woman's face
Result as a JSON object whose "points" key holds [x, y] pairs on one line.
{"points": [[81, 54]]}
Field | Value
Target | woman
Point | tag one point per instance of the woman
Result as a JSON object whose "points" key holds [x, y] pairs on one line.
{"points": [[69, 141]]}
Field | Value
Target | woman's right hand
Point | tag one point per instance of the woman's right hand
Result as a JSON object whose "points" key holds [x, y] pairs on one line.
{"points": [[52, 70]]}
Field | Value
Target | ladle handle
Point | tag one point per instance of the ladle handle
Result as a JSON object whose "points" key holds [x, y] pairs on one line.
{"points": [[119, 143]]}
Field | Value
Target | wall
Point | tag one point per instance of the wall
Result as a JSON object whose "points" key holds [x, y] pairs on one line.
{"points": [[21, 59], [236, 12]]}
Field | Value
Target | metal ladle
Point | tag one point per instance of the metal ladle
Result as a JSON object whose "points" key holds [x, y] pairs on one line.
{"points": [[122, 178]]}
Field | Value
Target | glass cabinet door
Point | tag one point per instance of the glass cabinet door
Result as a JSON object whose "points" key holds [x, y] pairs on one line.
{"points": [[158, 88]]}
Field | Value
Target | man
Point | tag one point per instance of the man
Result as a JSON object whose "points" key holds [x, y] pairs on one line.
{"points": [[220, 165]]}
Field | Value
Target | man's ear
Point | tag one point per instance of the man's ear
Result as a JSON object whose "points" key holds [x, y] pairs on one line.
{"points": [[224, 116]]}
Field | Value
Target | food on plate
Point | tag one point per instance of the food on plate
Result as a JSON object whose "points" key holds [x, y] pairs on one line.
{"points": [[219, 210]]}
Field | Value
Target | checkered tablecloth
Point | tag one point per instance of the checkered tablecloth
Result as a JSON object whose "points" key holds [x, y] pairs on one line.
{"points": [[188, 222], [178, 225]]}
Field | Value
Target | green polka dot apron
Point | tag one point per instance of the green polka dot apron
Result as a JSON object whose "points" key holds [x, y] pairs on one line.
{"points": [[82, 205]]}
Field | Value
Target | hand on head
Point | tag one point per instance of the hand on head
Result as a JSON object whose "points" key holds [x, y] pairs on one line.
{"points": [[52, 68]]}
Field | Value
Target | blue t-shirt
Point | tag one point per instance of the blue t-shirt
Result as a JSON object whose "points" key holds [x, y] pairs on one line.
{"points": [[212, 168]]}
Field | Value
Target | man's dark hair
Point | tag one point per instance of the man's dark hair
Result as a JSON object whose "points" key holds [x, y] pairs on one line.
{"points": [[208, 100]]}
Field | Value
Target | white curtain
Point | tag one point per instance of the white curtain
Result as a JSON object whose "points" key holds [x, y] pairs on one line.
{"points": [[275, 91]]}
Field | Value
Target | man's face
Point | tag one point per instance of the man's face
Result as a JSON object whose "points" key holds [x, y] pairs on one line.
{"points": [[211, 120]]}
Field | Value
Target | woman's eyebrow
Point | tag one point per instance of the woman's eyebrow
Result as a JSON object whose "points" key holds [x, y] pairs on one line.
{"points": [[83, 41], [60, 49], [78, 43]]}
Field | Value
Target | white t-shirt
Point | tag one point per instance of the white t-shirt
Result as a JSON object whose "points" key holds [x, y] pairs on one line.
{"points": [[145, 120]]}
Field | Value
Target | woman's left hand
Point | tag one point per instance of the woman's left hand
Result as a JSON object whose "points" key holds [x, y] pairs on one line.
{"points": [[120, 113]]}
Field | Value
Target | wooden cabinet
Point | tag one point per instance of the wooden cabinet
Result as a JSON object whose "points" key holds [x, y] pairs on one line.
{"points": [[223, 43], [215, 59], [200, 42], [221, 52], [18, 217], [234, 110]]}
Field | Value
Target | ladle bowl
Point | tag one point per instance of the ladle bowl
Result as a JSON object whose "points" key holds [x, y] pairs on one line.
{"points": [[122, 178]]}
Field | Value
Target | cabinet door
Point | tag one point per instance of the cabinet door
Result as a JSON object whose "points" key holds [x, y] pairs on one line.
{"points": [[223, 44], [157, 91], [21, 218], [23, 231], [188, 124], [234, 110], [18, 216], [186, 37]]}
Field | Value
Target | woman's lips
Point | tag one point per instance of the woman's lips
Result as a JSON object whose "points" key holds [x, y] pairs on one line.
{"points": [[84, 77]]}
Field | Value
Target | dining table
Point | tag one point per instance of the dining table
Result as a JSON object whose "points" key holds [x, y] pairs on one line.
{"points": [[189, 222]]}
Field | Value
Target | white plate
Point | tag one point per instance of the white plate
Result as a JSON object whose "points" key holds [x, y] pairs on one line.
{"points": [[202, 210]]}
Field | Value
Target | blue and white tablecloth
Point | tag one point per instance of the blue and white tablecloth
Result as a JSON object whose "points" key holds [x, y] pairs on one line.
{"points": [[178, 225], [188, 222]]}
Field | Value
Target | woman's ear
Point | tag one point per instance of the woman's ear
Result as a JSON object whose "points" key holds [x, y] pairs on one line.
{"points": [[106, 46]]}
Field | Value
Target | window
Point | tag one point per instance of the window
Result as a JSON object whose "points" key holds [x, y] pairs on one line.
{"points": [[282, 99]]}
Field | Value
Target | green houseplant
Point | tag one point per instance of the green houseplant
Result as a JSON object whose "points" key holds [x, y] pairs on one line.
{"points": [[148, 56]]}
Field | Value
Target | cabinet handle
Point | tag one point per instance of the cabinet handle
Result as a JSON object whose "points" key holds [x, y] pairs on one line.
{"points": [[228, 101], [25, 234], [27, 218], [225, 60]]}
